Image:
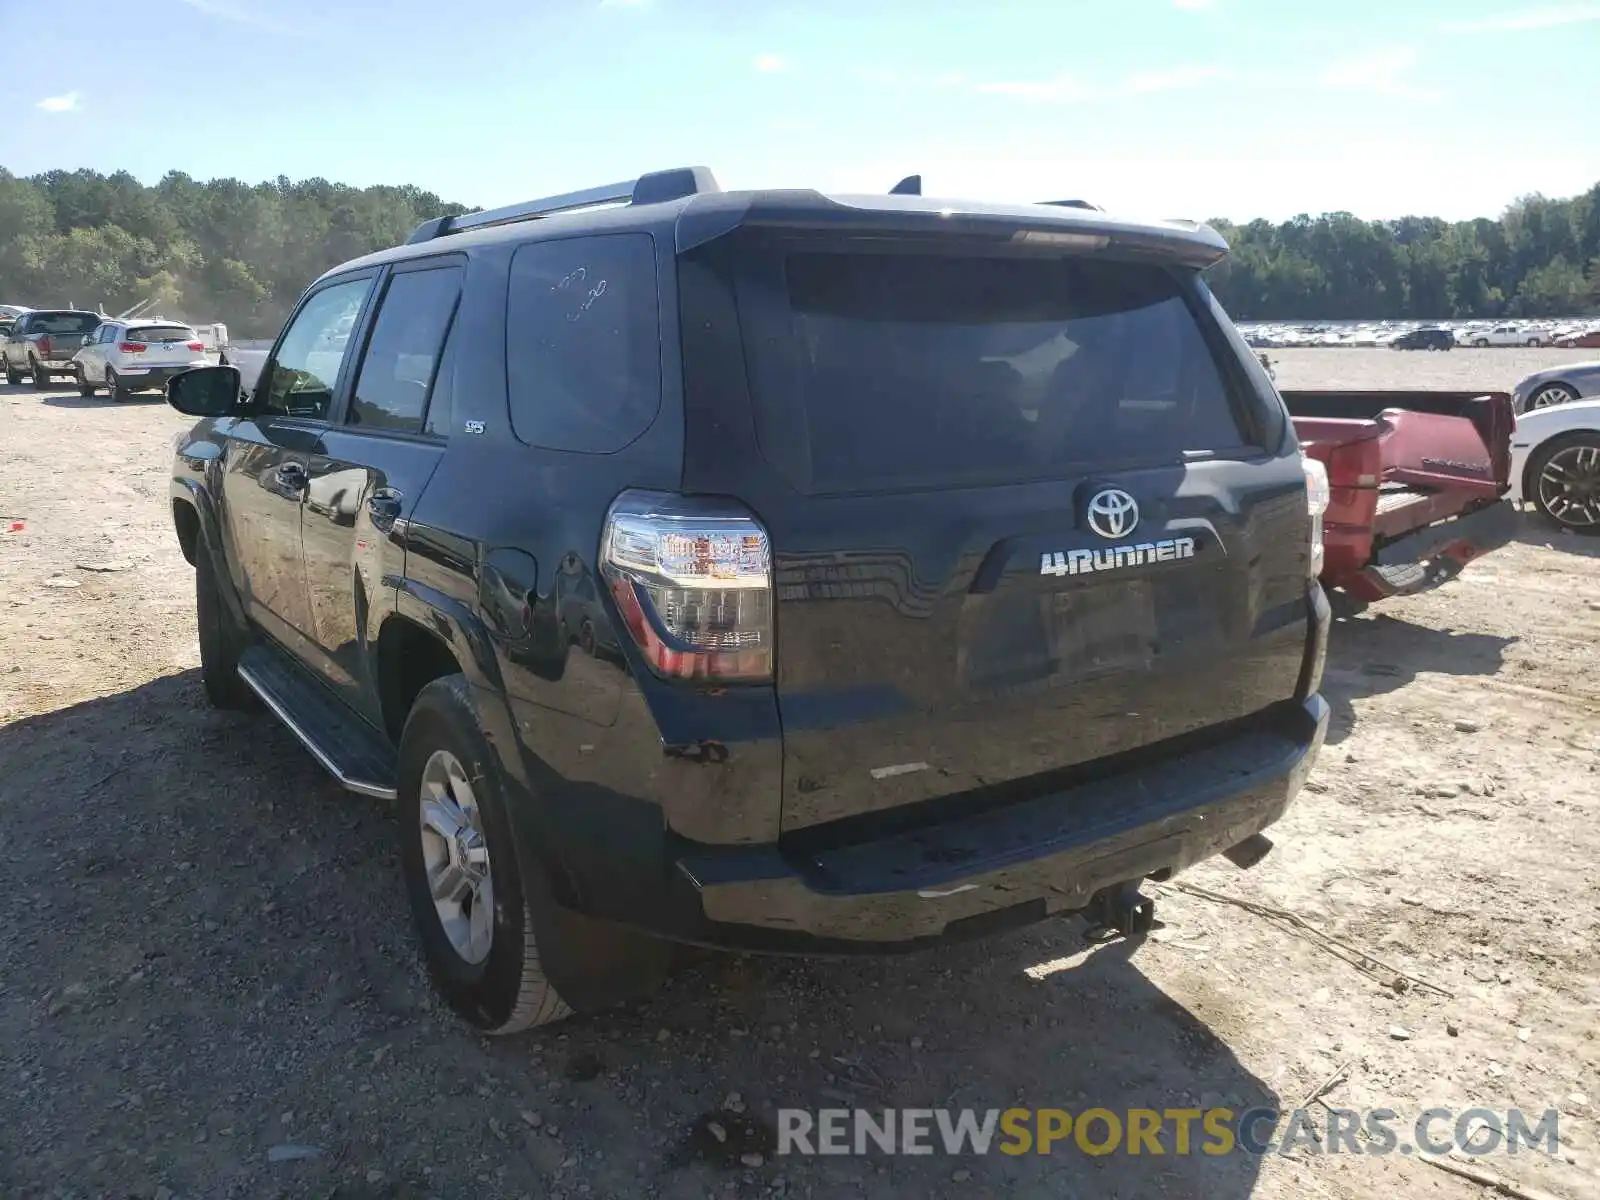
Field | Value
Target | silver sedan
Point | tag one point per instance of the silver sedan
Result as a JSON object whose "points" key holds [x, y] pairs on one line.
{"points": [[1558, 385]]}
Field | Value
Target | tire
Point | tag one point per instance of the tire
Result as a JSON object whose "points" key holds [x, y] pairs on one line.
{"points": [[41, 377], [85, 388], [1534, 342], [220, 644], [1571, 495], [13, 376], [114, 387], [1550, 395], [505, 990], [1343, 605], [1481, 343], [539, 962]]}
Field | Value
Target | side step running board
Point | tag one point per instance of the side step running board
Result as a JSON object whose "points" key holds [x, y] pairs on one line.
{"points": [[348, 750]]}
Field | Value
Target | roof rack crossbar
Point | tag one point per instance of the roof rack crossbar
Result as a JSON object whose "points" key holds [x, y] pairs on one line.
{"points": [[652, 188]]}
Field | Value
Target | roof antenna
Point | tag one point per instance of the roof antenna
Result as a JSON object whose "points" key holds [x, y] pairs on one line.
{"points": [[911, 185]]}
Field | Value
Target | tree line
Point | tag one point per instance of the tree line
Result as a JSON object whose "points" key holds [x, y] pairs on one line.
{"points": [[239, 253]]}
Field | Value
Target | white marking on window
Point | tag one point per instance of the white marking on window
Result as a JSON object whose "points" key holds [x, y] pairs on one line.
{"points": [[937, 894], [898, 769]]}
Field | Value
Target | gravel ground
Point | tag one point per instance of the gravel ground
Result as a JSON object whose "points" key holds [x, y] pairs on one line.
{"points": [[208, 985]]}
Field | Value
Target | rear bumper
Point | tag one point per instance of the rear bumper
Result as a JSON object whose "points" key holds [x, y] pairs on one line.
{"points": [[1426, 557], [1463, 539], [993, 870], [135, 378]]}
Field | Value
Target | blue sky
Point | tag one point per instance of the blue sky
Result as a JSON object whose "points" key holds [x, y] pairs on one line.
{"points": [[1201, 108]]}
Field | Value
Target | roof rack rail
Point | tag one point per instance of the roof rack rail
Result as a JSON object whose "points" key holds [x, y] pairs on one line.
{"points": [[1072, 204], [656, 187]]}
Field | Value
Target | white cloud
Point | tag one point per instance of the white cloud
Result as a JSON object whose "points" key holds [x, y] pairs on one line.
{"points": [[1061, 89], [241, 11], [1174, 79], [1529, 18], [1192, 5], [1066, 89], [768, 63], [70, 102], [1381, 72]]}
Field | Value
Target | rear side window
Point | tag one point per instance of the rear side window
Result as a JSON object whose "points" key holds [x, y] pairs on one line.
{"points": [[583, 342], [163, 333], [884, 371], [398, 369]]}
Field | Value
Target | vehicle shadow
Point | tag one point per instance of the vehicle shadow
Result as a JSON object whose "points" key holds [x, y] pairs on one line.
{"points": [[1534, 530], [188, 887], [74, 400], [1376, 653]]}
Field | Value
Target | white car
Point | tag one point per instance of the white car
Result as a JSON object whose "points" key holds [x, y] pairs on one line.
{"points": [[124, 357], [1506, 335], [1555, 463]]}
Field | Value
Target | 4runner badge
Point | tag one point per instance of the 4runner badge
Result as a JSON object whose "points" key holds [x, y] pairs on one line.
{"points": [[1086, 562]]}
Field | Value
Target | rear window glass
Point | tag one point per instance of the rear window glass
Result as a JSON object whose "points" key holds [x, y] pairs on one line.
{"points": [[163, 333], [583, 342], [882, 371], [62, 323]]}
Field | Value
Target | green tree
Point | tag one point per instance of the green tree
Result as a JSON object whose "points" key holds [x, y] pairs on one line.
{"points": [[1554, 289]]}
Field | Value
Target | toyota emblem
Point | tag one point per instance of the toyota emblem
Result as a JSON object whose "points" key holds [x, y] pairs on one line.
{"points": [[1113, 513]]}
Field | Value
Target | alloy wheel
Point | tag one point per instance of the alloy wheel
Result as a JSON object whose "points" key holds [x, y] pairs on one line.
{"points": [[1552, 394], [455, 855], [1569, 486]]}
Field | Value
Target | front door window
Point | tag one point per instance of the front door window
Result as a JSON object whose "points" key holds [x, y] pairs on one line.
{"points": [[305, 371]]}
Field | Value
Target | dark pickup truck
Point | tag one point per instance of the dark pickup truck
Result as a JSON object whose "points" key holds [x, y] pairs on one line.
{"points": [[41, 343], [1418, 482], [764, 570]]}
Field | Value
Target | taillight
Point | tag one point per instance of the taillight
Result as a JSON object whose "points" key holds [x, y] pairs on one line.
{"points": [[692, 578], [1318, 496], [197, 345], [44, 345], [131, 347]]}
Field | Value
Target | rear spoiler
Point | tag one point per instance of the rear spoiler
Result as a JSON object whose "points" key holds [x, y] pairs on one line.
{"points": [[907, 214]]}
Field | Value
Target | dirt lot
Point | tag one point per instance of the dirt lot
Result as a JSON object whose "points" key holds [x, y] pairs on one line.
{"points": [[207, 956]]}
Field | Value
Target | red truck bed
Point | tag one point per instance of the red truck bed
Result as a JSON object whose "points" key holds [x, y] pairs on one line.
{"points": [[1417, 482]]}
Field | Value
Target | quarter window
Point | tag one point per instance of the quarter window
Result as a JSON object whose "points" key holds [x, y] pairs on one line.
{"points": [[583, 342], [442, 400]]}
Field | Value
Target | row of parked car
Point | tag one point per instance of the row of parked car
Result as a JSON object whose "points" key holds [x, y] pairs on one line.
{"points": [[119, 357], [1423, 337]]}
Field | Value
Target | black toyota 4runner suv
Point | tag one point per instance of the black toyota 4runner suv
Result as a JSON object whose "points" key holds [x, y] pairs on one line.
{"points": [[764, 570]]}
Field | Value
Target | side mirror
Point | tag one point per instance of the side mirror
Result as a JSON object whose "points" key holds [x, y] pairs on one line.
{"points": [[205, 391], [86, 339]]}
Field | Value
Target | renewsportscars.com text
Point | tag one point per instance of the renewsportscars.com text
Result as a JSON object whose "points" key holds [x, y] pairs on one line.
{"points": [[1175, 1131]]}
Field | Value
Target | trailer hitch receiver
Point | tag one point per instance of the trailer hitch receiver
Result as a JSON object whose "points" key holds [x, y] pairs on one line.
{"points": [[1119, 909]]}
